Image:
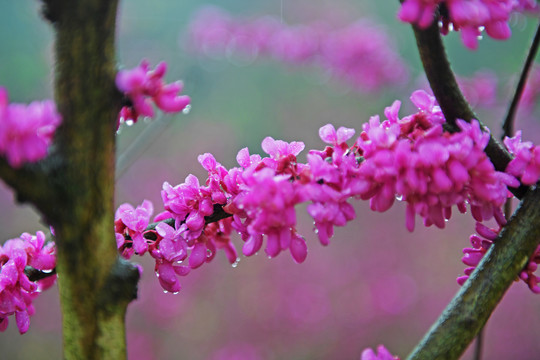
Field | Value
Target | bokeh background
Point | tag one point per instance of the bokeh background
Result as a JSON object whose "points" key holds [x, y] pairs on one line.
{"points": [[375, 283]]}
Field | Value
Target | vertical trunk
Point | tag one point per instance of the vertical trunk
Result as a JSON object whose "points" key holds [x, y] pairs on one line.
{"points": [[95, 287]]}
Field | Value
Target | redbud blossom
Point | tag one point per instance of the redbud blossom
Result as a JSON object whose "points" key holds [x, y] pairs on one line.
{"points": [[142, 86], [468, 17], [382, 354], [526, 162], [410, 159], [481, 244], [17, 291], [26, 131]]}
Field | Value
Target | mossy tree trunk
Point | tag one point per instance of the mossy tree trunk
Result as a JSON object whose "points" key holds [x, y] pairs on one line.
{"points": [[95, 286]]}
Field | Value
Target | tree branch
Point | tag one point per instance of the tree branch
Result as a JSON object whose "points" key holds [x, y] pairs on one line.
{"points": [[471, 307], [449, 96], [31, 183]]}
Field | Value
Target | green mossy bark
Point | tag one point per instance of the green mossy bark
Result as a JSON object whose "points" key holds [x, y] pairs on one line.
{"points": [[95, 287]]}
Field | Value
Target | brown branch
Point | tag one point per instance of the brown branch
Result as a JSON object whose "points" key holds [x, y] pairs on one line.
{"points": [[452, 102], [31, 183]]}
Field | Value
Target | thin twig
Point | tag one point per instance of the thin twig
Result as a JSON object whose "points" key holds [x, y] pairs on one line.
{"points": [[479, 345], [141, 143], [508, 125]]}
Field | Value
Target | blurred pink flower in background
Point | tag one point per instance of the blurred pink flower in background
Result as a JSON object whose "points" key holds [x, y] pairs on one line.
{"points": [[26, 131], [361, 54]]}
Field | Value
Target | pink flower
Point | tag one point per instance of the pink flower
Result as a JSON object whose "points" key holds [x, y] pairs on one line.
{"points": [[169, 252], [481, 244], [16, 289], [131, 223], [467, 16], [526, 163], [141, 85], [382, 354], [26, 131], [188, 203]]}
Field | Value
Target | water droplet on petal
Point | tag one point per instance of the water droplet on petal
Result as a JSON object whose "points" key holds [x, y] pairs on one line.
{"points": [[165, 292], [176, 292], [186, 110], [235, 264], [129, 122], [399, 197]]}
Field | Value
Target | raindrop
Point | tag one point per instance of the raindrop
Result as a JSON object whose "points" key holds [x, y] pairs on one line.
{"points": [[235, 264], [399, 197], [175, 293], [165, 292], [129, 122], [186, 110], [46, 271]]}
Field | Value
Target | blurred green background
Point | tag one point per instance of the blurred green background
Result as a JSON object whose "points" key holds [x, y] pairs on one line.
{"points": [[375, 283]]}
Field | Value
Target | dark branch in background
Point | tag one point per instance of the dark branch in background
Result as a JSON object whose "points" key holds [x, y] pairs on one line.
{"points": [[449, 96], [508, 125], [31, 183]]}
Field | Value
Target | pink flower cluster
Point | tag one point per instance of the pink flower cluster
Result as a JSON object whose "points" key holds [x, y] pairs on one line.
{"points": [[481, 244], [26, 131], [526, 162], [16, 290], [142, 86], [414, 160], [166, 245], [361, 54], [381, 354], [410, 159], [468, 16]]}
